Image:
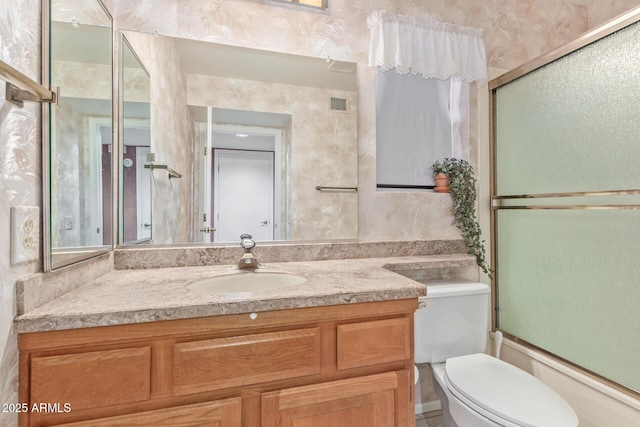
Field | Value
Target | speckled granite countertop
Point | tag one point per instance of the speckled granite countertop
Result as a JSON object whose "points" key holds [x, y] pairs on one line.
{"points": [[134, 296]]}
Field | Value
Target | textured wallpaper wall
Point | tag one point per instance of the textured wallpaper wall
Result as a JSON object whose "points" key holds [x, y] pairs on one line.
{"points": [[515, 31], [20, 166], [601, 11]]}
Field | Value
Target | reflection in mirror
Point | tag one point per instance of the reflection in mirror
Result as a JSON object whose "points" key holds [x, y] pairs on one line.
{"points": [[80, 131], [136, 113], [248, 183], [252, 134]]}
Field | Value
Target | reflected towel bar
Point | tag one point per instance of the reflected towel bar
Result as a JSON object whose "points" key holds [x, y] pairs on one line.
{"points": [[172, 173], [35, 91], [348, 189]]}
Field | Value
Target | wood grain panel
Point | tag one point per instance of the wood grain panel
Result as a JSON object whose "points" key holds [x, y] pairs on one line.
{"points": [[341, 389], [221, 413], [372, 410], [357, 402], [250, 359], [206, 325], [93, 379], [370, 343]]}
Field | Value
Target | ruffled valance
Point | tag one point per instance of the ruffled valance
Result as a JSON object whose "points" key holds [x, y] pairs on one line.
{"points": [[426, 47]]}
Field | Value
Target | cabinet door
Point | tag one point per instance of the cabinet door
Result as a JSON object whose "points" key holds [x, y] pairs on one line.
{"points": [[369, 343], [220, 413], [93, 379], [381, 400]]}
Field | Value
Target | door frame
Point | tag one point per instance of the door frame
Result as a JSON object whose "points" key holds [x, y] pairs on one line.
{"points": [[278, 227], [95, 177]]}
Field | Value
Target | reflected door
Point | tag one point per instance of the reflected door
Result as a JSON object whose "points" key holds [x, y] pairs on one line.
{"points": [[243, 194]]}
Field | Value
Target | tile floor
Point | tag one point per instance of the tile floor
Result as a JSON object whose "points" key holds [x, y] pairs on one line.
{"points": [[429, 419]]}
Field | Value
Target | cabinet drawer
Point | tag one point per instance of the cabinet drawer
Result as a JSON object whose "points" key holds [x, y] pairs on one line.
{"points": [[370, 401], [220, 413], [93, 379], [370, 343], [237, 361]]}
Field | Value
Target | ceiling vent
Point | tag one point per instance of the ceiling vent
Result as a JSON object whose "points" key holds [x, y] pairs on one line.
{"points": [[338, 104]]}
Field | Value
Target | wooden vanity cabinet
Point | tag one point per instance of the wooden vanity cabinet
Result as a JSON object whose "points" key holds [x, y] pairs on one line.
{"points": [[344, 365]]}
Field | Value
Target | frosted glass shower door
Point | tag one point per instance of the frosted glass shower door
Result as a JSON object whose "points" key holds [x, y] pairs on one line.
{"points": [[569, 283], [567, 207]]}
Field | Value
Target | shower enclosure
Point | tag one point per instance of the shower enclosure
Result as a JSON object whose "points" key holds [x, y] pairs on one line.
{"points": [[566, 202]]}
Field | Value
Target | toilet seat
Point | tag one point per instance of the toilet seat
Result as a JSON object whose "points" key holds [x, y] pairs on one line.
{"points": [[506, 394]]}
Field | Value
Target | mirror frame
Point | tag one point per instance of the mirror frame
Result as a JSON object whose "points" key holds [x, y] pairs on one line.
{"points": [[45, 129]]}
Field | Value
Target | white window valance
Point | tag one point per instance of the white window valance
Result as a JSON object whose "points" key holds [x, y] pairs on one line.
{"points": [[426, 47]]}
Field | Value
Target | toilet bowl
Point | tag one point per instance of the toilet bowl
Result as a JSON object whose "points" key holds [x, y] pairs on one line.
{"points": [[475, 389], [482, 391]]}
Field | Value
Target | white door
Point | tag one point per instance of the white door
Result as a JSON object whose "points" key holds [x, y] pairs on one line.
{"points": [[243, 194], [143, 194]]}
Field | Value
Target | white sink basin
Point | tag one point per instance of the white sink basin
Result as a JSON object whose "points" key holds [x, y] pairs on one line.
{"points": [[246, 282]]}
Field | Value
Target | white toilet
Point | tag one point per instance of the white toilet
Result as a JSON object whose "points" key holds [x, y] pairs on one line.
{"points": [[477, 390]]}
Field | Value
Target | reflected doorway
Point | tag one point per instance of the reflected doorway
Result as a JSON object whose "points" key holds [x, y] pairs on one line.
{"points": [[242, 180], [243, 183]]}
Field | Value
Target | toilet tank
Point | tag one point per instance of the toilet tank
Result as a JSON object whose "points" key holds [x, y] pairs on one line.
{"points": [[453, 322]]}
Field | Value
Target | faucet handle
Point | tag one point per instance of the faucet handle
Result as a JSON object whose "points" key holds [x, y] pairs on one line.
{"points": [[247, 242]]}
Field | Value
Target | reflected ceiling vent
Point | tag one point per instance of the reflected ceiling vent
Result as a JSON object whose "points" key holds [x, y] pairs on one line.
{"points": [[342, 66], [338, 104]]}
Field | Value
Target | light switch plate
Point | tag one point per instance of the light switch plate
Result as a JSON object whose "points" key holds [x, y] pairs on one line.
{"points": [[25, 233]]}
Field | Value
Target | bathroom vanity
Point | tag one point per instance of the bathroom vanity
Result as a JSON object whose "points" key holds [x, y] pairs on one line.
{"points": [[335, 350], [326, 364]]}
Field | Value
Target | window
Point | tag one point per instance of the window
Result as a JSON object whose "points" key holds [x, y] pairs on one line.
{"points": [[413, 128], [425, 68]]}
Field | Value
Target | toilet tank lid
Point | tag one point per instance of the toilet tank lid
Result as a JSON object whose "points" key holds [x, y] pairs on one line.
{"points": [[507, 392], [451, 288]]}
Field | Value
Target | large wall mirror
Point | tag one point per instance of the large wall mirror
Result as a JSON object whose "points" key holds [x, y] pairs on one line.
{"points": [[241, 141], [80, 210]]}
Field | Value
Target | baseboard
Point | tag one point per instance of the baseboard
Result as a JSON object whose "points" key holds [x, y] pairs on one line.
{"points": [[424, 407]]}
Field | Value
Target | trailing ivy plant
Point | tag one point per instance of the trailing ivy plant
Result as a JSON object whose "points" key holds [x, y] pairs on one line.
{"points": [[442, 166], [462, 183]]}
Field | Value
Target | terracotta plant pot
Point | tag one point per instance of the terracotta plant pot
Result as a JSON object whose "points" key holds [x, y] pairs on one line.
{"points": [[442, 183]]}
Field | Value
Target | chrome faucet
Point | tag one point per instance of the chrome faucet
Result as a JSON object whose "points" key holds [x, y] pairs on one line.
{"points": [[248, 260]]}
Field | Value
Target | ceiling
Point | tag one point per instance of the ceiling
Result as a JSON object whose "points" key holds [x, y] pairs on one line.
{"points": [[92, 44], [216, 59]]}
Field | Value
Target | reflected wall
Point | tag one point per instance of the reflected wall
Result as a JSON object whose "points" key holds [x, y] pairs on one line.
{"points": [[171, 139], [317, 142]]}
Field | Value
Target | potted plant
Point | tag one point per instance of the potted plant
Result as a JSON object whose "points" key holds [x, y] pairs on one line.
{"points": [[441, 176], [462, 188]]}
